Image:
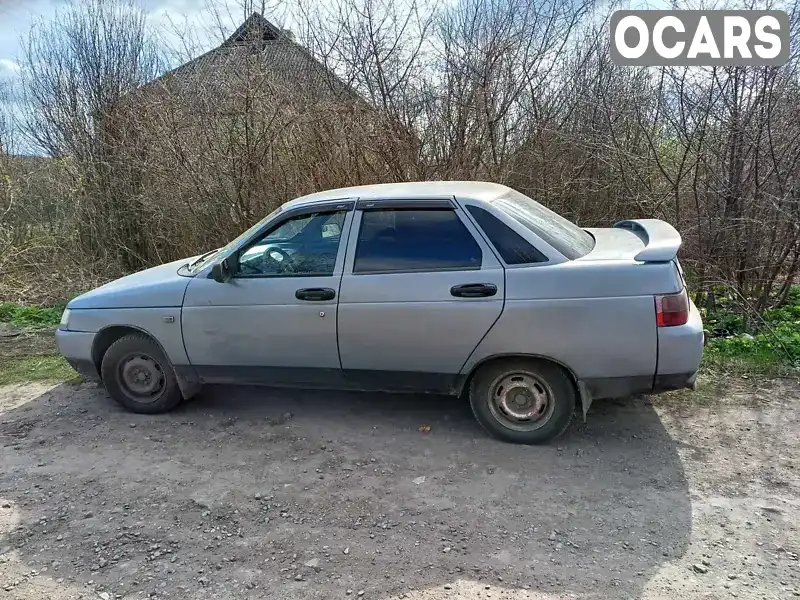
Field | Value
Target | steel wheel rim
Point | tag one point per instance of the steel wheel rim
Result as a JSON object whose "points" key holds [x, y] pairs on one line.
{"points": [[141, 378], [521, 401]]}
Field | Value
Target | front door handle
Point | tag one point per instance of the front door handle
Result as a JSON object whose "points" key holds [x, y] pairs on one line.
{"points": [[473, 290], [315, 294]]}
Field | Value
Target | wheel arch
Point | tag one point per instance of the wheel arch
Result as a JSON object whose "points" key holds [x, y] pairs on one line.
{"points": [[104, 338], [187, 381], [495, 358]]}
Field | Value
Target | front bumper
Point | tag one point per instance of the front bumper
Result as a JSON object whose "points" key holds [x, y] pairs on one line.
{"points": [[76, 347]]}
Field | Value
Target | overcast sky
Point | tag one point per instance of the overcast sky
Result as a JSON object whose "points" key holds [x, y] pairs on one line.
{"points": [[171, 19], [166, 16]]}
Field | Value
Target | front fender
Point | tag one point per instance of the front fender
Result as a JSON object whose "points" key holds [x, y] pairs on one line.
{"points": [[161, 324]]}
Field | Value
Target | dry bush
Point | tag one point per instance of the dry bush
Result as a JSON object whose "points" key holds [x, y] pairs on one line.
{"points": [[76, 70], [39, 258], [207, 156], [516, 92]]}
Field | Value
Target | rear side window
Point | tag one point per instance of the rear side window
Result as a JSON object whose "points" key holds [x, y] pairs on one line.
{"points": [[562, 234], [401, 240], [514, 249]]}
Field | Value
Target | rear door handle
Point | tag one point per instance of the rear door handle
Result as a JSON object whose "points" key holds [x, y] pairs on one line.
{"points": [[315, 294], [473, 290]]}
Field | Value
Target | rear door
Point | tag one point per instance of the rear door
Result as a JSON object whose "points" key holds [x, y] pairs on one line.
{"points": [[420, 290]]}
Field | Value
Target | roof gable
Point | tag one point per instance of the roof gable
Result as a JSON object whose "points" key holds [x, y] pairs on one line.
{"points": [[293, 72], [254, 30]]}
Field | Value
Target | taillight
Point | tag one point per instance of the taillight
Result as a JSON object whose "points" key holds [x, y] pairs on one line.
{"points": [[672, 309]]}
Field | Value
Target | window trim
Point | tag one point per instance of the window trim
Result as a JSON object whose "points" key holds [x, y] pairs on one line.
{"points": [[285, 217], [405, 204], [488, 258], [407, 271]]}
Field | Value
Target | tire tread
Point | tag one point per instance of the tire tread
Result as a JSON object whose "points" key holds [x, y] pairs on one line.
{"points": [[144, 343], [563, 390]]}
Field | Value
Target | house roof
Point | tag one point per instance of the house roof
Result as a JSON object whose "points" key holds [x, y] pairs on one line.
{"points": [[256, 26], [288, 64]]}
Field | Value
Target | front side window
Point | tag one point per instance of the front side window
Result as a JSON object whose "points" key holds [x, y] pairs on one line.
{"points": [[408, 240], [305, 245]]}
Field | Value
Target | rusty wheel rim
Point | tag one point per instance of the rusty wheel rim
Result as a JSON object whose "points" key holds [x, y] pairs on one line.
{"points": [[521, 401]]}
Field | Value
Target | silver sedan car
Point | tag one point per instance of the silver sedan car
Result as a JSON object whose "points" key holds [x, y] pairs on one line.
{"points": [[442, 287]]}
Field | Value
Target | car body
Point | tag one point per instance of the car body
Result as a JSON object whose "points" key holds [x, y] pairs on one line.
{"points": [[423, 287]]}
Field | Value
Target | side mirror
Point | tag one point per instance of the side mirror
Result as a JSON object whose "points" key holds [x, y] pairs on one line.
{"points": [[221, 272]]}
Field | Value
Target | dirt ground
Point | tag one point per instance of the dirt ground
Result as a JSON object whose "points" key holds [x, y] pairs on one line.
{"points": [[256, 493], [19, 341]]}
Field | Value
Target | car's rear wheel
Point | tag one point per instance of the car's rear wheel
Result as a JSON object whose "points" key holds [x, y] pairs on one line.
{"points": [[137, 375], [523, 401]]}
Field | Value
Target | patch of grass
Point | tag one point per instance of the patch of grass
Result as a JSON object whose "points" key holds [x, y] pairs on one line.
{"points": [[35, 368], [755, 365], [30, 316], [717, 388], [771, 347], [709, 390]]}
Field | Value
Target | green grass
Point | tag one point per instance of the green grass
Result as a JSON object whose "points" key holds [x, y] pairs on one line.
{"points": [[764, 366], [25, 366], [35, 368], [30, 316], [770, 347]]}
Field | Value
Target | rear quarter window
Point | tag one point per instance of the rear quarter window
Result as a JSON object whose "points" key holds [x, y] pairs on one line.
{"points": [[562, 234], [512, 247]]}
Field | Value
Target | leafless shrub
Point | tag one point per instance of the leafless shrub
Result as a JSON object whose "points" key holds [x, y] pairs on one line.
{"points": [[76, 71], [365, 91]]}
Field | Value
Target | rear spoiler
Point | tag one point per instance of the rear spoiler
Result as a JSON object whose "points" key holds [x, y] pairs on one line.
{"points": [[661, 240]]}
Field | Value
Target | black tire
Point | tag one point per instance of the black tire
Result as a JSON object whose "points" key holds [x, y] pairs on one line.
{"points": [[133, 355], [532, 380]]}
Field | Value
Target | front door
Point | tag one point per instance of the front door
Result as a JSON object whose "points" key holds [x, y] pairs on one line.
{"points": [[420, 290], [275, 321]]}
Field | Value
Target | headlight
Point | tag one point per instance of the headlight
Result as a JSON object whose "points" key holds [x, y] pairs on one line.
{"points": [[64, 324]]}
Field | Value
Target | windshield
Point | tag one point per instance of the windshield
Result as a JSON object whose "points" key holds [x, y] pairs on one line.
{"points": [[209, 257], [563, 235]]}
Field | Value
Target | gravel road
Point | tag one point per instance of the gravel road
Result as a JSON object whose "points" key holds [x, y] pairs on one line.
{"points": [[256, 493]]}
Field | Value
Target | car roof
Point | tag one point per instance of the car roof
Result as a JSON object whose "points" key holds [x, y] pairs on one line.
{"points": [[414, 190]]}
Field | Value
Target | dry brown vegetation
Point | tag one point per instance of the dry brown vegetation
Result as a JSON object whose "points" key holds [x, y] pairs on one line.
{"points": [[522, 93]]}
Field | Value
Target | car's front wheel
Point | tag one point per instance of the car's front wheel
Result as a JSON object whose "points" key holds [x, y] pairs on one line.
{"points": [[137, 375], [523, 401]]}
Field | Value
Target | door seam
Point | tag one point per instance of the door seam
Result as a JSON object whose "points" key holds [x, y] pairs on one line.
{"points": [[505, 282], [341, 278], [502, 310]]}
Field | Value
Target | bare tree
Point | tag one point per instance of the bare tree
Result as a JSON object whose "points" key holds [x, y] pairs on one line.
{"points": [[77, 70], [6, 187], [364, 91], [6, 125]]}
